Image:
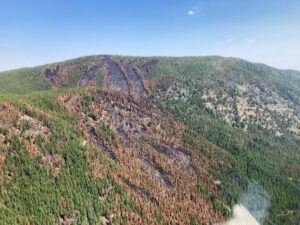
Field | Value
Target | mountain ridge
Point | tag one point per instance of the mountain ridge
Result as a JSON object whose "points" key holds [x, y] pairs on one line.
{"points": [[154, 56], [197, 127]]}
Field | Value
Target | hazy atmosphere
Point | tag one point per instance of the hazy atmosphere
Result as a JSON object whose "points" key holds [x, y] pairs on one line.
{"points": [[37, 32]]}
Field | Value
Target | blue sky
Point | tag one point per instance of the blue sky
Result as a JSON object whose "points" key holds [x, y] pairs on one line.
{"points": [[34, 32]]}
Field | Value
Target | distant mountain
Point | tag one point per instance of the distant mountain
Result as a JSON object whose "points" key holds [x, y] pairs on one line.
{"points": [[147, 140]]}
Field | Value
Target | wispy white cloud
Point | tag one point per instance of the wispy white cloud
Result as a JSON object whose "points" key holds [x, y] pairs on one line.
{"points": [[191, 12], [195, 9]]}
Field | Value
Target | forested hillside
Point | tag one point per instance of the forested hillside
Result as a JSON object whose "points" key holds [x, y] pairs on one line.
{"points": [[147, 140]]}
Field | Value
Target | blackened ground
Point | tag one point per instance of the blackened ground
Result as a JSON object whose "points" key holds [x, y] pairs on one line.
{"points": [[52, 73], [125, 120], [91, 74], [154, 170], [148, 66], [140, 191], [124, 77], [158, 171], [179, 157], [138, 86], [98, 142], [116, 79]]}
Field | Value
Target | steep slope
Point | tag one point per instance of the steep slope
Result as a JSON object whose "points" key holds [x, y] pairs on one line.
{"points": [[148, 136], [159, 171], [253, 114], [45, 174], [240, 92]]}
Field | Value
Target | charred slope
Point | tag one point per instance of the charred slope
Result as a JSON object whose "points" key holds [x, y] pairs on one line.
{"points": [[100, 156], [49, 176], [159, 171], [123, 76], [251, 110], [120, 75]]}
